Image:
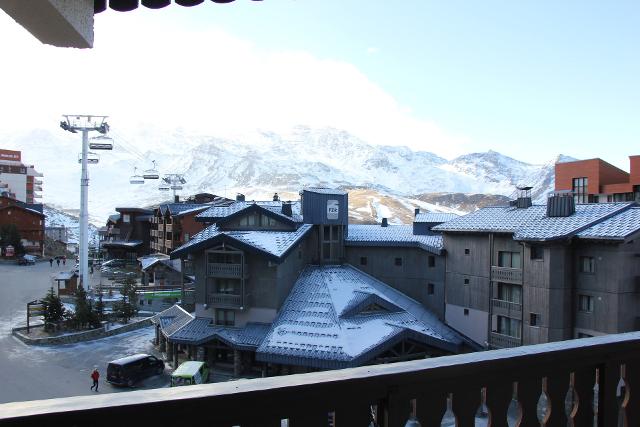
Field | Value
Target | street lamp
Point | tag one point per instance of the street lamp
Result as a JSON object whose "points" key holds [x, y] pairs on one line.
{"points": [[85, 123]]}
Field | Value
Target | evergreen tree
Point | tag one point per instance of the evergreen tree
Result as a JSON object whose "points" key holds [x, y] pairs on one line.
{"points": [[53, 310], [98, 308], [127, 307], [83, 314]]}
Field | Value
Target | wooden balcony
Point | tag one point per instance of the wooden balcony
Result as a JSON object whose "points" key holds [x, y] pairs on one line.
{"points": [[224, 300], [168, 244], [506, 275], [497, 340], [233, 271], [168, 228], [506, 308], [349, 397], [160, 227]]}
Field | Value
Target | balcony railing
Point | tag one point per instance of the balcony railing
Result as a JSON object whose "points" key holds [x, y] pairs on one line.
{"points": [[160, 227], [506, 274], [351, 397], [224, 300], [498, 340], [168, 244], [215, 269], [506, 308], [168, 228]]}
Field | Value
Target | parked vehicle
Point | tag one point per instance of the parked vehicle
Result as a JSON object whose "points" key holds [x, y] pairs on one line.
{"points": [[189, 373], [26, 260], [131, 369]]}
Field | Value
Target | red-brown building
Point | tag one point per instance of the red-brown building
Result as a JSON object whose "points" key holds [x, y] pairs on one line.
{"points": [[28, 220], [595, 180]]}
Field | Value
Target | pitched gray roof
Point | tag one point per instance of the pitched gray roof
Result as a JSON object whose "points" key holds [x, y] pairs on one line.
{"points": [[171, 319], [320, 190], [202, 329], [181, 208], [618, 227], [274, 243], [433, 217], [219, 212], [393, 236], [321, 323], [532, 223]]}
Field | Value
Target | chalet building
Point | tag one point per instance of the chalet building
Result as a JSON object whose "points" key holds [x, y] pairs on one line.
{"points": [[594, 180], [528, 274], [280, 288], [127, 235], [29, 220], [173, 224]]}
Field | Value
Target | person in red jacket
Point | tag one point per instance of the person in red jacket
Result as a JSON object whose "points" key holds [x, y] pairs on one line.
{"points": [[94, 376]]}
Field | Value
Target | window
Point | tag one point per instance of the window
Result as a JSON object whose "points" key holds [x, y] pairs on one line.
{"points": [[510, 293], [537, 252], [363, 260], [509, 326], [126, 218], [466, 281], [225, 317], [226, 286], [186, 237], [580, 189], [587, 264], [585, 303], [466, 312], [432, 261], [430, 289], [534, 319], [509, 259], [398, 262], [467, 251], [141, 302]]}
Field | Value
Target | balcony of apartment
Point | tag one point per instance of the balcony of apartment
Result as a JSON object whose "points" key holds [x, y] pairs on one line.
{"points": [[224, 270], [506, 274], [506, 308], [498, 340], [160, 226], [168, 228], [502, 382], [218, 300], [168, 244], [38, 182]]}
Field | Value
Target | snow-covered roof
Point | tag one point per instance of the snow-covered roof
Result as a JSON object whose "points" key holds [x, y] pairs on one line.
{"points": [[324, 321], [618, 227], [178, 209], [171, 319], [393, 236], [216, 213], [203, 329], [320, 190], [435, 217], [532, 223], [122, 243], [273, 243], [149, 260], [65, 275]]}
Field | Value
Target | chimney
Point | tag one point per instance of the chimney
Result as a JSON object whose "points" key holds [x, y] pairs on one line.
{"points": [[523, 200], [384, 222], [276, 197], [176, 199], [416, 211], [239, 197], [286, 209], [560, 204]]}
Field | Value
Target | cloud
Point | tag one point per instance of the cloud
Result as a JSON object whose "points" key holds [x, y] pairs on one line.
{"points": [[372, 50], [204, 81]]}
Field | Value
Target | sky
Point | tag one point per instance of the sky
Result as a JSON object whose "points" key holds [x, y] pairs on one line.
{"points": [[530, 79]]}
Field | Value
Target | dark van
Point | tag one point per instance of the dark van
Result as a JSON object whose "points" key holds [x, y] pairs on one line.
{"points": [[131, 369]]}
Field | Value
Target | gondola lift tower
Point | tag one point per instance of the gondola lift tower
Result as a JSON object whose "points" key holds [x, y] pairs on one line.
{"points": [[85, 124]]}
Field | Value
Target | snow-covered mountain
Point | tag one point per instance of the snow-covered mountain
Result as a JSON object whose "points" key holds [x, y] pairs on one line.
{"points": [[69, 219], [259, 163]]}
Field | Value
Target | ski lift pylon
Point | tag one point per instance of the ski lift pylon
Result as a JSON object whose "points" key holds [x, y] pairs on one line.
{"points": [[135, 178], [101, 142]]}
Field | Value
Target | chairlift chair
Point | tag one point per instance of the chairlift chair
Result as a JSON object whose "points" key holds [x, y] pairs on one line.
{"points": [[164, 187], [101, 142], [135, 178], [92, 158], [151, 173], [176, 187]]}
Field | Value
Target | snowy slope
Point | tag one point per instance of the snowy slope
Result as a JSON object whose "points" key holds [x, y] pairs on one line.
{"points": [[60, 218], [258, 163]]}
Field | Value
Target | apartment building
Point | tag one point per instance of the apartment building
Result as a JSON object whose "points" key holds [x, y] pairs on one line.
{"points": [[594, 180], [128, 234], [173, 224], [528, 274], [280, 287], [29, 221], [18, 180]]}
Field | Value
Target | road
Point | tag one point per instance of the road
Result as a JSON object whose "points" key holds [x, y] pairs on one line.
{"points": [[44, 372]]}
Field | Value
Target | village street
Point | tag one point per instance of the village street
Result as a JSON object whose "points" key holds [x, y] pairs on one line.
{"points": [[44, 372]]}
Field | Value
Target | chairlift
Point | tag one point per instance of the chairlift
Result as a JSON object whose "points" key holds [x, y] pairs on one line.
{"points": [[151, 173], [164, 187], [176, 187], [92, 158], [135, 178], [101, 142]]}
